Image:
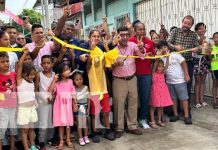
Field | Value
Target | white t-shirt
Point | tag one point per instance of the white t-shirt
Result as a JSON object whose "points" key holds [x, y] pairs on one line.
{"points": [[12, 60], [175, 74]]}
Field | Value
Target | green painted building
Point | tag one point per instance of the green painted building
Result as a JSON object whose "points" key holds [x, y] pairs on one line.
{"points": [[115, 10]]}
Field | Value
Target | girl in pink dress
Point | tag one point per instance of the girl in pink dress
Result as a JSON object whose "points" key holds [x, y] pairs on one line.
{"points": [[65, 98], [160, 96]]}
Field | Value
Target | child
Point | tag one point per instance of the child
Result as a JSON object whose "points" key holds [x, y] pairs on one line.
{"points": [[28, 59], [43, 81], [27, 114], [177, 78], [160, 96], [83, 102], [214, 68], [8, 100], [19, 145], [62, 109]]}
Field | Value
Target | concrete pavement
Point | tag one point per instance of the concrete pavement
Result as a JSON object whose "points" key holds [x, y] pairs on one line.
{"points": [[202, 135]]}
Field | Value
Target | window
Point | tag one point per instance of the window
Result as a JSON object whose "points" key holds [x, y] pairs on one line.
{"points": [[98, 4], [87, 9], [111, 1], [120, 21]]}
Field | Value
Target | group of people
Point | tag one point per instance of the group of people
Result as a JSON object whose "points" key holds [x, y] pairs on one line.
{"points": [[52, 88]]}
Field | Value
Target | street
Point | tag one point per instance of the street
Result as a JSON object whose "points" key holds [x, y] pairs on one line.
{"points": [[201, 135]]}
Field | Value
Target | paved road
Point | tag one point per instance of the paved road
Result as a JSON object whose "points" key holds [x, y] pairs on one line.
{"points": [[201, 135]]}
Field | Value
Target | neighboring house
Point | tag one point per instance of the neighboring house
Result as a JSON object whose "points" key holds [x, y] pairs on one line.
{"points": [[150, 12], [171, 12], [115, 10]]}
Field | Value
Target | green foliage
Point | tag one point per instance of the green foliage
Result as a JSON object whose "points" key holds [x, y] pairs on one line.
{"points": [[34, 16]]}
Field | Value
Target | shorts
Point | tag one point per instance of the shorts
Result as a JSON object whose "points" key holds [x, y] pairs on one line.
{"points": [[26, 115], [178, 91], [82, 110], [8, 121], [214, 74], [100, 105]]}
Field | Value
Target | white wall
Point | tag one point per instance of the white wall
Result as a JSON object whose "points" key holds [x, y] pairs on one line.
{"points": [[171, 12]]}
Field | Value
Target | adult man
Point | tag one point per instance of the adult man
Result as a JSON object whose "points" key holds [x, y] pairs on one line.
{"points": [[66, 28], [125, 85], [12, 32], [39, 47], [183, 39], [65, 31]]}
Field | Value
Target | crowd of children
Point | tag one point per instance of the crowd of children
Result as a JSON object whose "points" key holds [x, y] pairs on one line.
{"points": [[52, 88]]}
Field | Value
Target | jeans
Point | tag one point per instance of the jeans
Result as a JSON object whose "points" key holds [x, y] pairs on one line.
{"points": [[45, 122], [189, 84], [190, 66], [144, 88]]}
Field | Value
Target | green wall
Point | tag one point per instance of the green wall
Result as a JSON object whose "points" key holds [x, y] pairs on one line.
{"points": [[113, 10]]}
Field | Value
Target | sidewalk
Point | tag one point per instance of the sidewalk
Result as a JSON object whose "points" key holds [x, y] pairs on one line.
{"points": [[176, 136]]}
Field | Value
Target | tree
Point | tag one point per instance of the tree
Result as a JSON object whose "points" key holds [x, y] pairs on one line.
{"points": [[32, 16]]}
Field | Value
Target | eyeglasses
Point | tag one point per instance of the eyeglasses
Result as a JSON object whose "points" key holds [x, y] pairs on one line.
{"points": [[20, 38], [124, 35]]}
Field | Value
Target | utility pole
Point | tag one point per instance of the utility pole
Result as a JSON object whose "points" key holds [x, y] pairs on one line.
{"points": [[47, 17], [43, 13]]}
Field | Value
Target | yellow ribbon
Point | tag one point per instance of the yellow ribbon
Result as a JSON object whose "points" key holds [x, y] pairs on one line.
{"points": [[113, 54], [10, 49], [69, 45], [109, 55]]}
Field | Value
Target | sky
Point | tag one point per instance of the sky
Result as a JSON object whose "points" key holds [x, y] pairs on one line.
{"points": [[16, 7]]}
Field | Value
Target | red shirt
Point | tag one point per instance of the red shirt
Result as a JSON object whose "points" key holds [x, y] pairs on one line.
{"points": [[8, 95], [143, 66]]}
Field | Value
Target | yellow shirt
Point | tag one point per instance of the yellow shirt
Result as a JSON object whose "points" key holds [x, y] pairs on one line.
{"points": [[96, 74], [214, 62]]}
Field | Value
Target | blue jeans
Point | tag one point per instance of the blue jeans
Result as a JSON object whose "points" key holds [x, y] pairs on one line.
{"points": [[144, 88]]}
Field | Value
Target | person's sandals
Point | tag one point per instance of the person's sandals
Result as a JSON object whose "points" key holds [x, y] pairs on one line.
{"points": [[204, 104], [161, 124], [69, 143], [197, 106], [61, 145], [153, 125]]}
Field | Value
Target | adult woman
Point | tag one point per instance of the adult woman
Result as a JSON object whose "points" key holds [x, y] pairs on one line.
{"points": [[20, 39], [95, 77], [155, 39], [143, 72]]}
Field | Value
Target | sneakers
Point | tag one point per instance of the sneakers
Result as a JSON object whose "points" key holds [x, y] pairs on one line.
{"points": [[188, 121], [143, 124], [86, 140], [95, 138], [42, 146], [109, 135], [33, 148], [81, 142], [174, 118]]}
